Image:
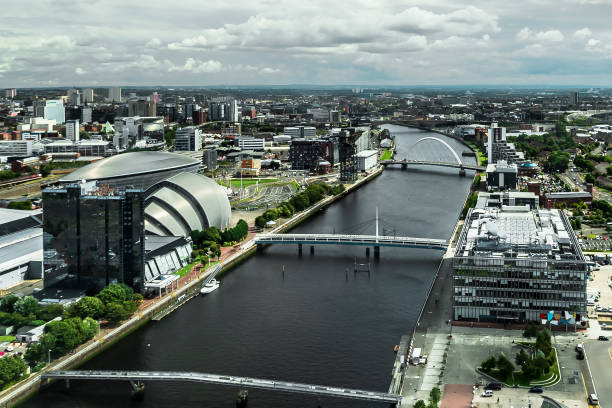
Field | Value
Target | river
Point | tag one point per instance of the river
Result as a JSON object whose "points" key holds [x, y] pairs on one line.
{"points": [[316, 324]]}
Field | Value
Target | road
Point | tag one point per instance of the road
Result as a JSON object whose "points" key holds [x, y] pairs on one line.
{"points": [[599, 357]]}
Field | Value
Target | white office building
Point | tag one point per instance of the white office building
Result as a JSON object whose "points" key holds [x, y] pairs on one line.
{"points": [[72, 130], [114, 94], [296, 132], [52, 109], [188, 139], [366, 159], [74, 97], [251, 143], [87, 95], [86, 114], [16, 148]]}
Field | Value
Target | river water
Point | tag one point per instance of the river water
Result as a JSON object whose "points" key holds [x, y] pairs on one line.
{"points": [[318, 323]]}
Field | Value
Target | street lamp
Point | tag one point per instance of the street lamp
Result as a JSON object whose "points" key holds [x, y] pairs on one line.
{"points": [[49, 356]]}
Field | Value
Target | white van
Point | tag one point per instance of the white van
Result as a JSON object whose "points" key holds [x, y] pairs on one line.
{"points": [[593, 400]]}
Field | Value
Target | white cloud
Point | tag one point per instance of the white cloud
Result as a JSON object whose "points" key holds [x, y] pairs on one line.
{"points": [[197, 66], [583, 33], [550, 35], [153, 43], [79, 71], [268, 70], [526, 34]]}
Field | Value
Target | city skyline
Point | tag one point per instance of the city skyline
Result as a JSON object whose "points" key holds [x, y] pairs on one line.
{"points": [[105, 43]]}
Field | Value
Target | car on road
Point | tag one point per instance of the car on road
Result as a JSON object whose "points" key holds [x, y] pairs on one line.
{"points": [[580, 355], [536, 390], [593, 400], [603, 338], [493, 386], [487, 393], [579, 347]]}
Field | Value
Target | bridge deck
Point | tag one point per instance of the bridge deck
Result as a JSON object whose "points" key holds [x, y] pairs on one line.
{"points": [[363, 240], [243, 382], [433, 163]]}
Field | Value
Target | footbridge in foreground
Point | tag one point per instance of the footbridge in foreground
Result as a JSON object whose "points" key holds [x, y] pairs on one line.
{"points": [[137, 377], [361, 240]]}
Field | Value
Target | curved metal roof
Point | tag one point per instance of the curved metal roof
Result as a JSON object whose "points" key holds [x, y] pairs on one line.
{"points": [[187, 199], [128, 164]]}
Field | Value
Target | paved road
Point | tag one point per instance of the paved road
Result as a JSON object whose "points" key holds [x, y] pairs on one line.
{"points": [[599, 358]]}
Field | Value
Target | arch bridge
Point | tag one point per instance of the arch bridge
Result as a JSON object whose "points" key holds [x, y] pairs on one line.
{"points": [[457, 164]]}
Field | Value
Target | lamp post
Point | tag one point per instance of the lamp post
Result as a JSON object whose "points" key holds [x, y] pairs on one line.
{"points": [[49, 356]]}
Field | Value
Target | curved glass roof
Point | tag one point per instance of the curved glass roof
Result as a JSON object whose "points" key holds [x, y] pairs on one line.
{"points": [[128, 164]]}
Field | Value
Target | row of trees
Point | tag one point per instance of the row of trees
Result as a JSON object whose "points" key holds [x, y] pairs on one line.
{"points": [[60, 337], [208, 243], [25, 311], [434, 398], [299, 202], [12, 369]]}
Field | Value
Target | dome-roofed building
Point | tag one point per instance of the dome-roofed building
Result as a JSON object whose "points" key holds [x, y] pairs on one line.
{"points": [[135, 169], [185, 202]]}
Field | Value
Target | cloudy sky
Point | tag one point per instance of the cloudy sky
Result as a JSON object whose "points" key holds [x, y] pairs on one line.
{"points": [[238, 42]]}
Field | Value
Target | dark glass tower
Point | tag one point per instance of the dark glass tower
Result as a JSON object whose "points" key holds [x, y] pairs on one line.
{"points": [[94, 238]]}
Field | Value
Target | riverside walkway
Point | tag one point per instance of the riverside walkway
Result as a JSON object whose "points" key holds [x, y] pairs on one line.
{"points": [[362, 240], [242, 382]]}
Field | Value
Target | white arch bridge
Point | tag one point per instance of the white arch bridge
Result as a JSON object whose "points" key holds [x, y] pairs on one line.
{"points": [[458, 164]]}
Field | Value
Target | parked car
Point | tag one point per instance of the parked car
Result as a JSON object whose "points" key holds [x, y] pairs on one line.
{"points": [[603, 338], [536, 390], [493, 386], [593, 400], [579, 347], [487, 393], [580, 355], [9, 348]]}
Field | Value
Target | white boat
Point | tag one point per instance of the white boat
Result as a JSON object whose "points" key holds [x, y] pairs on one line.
{"points": [[209, 287]]}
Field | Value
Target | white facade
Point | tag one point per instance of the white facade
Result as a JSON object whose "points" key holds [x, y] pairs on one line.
{"points": [[114, 94], [17, 148], [88, 95], [86, 115], [251, 143], [300, 131], [366, 159], [188, 139], [72, 130], [52, 109]]}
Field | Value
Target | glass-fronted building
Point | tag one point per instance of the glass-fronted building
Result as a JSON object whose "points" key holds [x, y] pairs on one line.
{"points": [[93, 238]]}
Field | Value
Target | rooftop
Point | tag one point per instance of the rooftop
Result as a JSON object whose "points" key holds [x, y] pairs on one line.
{"points": [[518, 232], [132, 163]]}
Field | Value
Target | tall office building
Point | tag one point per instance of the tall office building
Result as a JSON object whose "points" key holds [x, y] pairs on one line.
{"points": [[93, 237], [72, 130], [575, 98], [334, 116], [86, 114], [114, 94], [52, 109], [188, 139], [88, 95], [209, 159], [224, 109], [142, 107], [10, 93], [74, 97]]}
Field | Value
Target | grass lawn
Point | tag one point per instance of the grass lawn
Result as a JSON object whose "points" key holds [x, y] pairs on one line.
{"points": [[387, 155], [185, 269], [249, 182], [479, 154], [222, 183], [7, 338], [517, 379]]}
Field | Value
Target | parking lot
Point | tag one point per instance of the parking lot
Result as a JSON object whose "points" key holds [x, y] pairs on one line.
{"points": [[594, 244]]}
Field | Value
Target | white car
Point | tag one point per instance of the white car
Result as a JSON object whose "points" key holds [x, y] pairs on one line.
{"points": [[487, 393]]}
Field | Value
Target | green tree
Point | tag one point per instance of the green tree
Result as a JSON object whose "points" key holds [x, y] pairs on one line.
{"points": [[8, 302], [530, 330], [115, 312], [541, 363], [90, 306], [50, 312], [20, 205], [489, 364], [260, 222], [435, 396], [12, 369], [66, 335], [543, 342], [420, 404], [505, 366], [212, 234], [90, 328], [116, 292], [521, 358], [26, 306]]}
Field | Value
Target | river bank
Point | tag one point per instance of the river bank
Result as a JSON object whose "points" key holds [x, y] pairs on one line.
{"points": [[23, 390]]}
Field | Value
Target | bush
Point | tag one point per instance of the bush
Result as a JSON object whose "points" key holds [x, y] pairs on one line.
{"points": [[8, 302], [26, 306], [50, 312], [20, 205], [489, 364]]}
